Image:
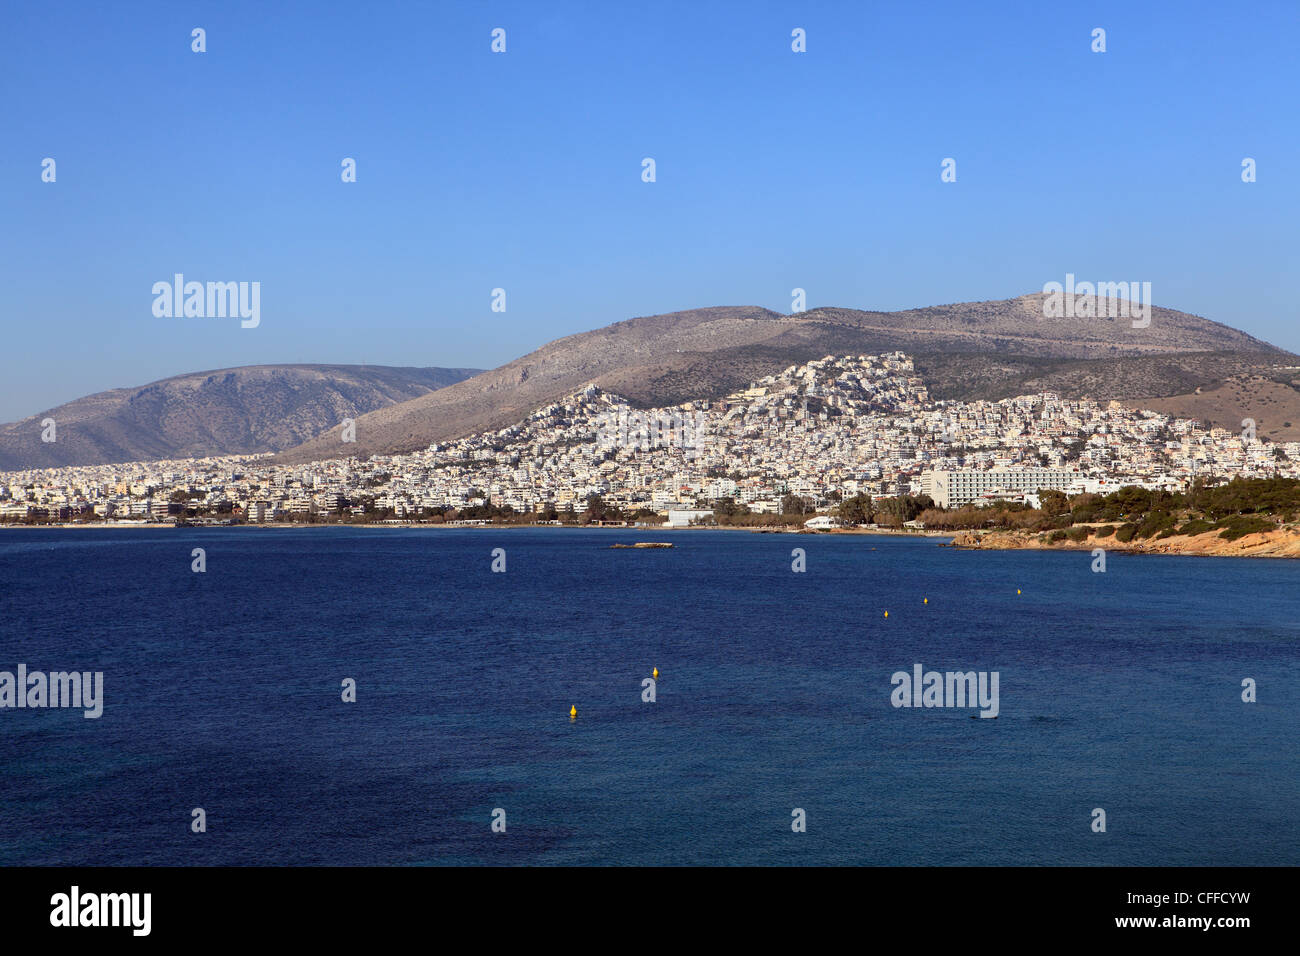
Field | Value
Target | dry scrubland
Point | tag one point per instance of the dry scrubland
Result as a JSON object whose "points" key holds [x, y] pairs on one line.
{"points": [[1281, 543], [1253, 517]]}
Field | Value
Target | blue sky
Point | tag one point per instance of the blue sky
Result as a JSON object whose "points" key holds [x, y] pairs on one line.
{"points": [[522, 170]]}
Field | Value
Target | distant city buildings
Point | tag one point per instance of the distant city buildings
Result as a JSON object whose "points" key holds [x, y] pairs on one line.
{"points": [[821, 432]]}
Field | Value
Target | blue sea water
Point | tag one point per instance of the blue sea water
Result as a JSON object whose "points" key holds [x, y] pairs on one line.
{"points": [[222, 690]]}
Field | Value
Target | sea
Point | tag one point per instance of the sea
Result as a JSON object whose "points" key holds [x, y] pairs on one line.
{"points": [[772, 738]]}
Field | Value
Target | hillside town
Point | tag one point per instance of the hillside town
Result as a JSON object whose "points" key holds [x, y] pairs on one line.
{"points": [[817, 433]]}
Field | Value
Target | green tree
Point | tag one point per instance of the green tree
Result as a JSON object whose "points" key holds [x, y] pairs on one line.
{"points": [[856, 510], [1053, 502], [793, 504]]}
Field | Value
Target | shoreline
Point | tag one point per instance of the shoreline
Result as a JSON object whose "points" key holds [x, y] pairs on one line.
{"points": [[405, 525], [1278, 543]]}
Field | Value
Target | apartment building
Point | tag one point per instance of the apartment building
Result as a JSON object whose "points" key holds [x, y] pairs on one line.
{"points": [[952, 489]]}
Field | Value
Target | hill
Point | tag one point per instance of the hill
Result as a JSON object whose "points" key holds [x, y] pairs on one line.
{"points": [[1272, 401], [965, 350], [248, 410]]}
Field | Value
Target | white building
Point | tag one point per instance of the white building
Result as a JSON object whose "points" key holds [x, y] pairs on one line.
{"points": [[952, 489], [682, 519], [822, 523]]}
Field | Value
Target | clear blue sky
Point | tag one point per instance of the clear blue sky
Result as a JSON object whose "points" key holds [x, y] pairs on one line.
{"points": [[523, 170]]}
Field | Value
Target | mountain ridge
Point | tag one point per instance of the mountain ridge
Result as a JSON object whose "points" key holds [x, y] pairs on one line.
{"points": [[662, 360], [247, 409], [967, 350]]}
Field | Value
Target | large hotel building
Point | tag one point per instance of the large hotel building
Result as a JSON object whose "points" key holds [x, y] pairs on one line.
{"points": [[952, 489]]}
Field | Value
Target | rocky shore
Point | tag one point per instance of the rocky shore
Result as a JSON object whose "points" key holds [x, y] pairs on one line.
{"points": [[1281, 543]]}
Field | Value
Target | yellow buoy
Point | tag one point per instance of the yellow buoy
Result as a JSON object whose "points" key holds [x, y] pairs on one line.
{"points": [[655, 675], [886, 614], [573, 713], [925, 601], [1017, 590]]}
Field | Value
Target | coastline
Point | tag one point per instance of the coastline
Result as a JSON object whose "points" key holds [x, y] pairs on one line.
{"points": [[1279, 543], [647, 529]]}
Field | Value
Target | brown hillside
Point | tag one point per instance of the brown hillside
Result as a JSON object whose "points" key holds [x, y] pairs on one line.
{"points": [[701, 353]]}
